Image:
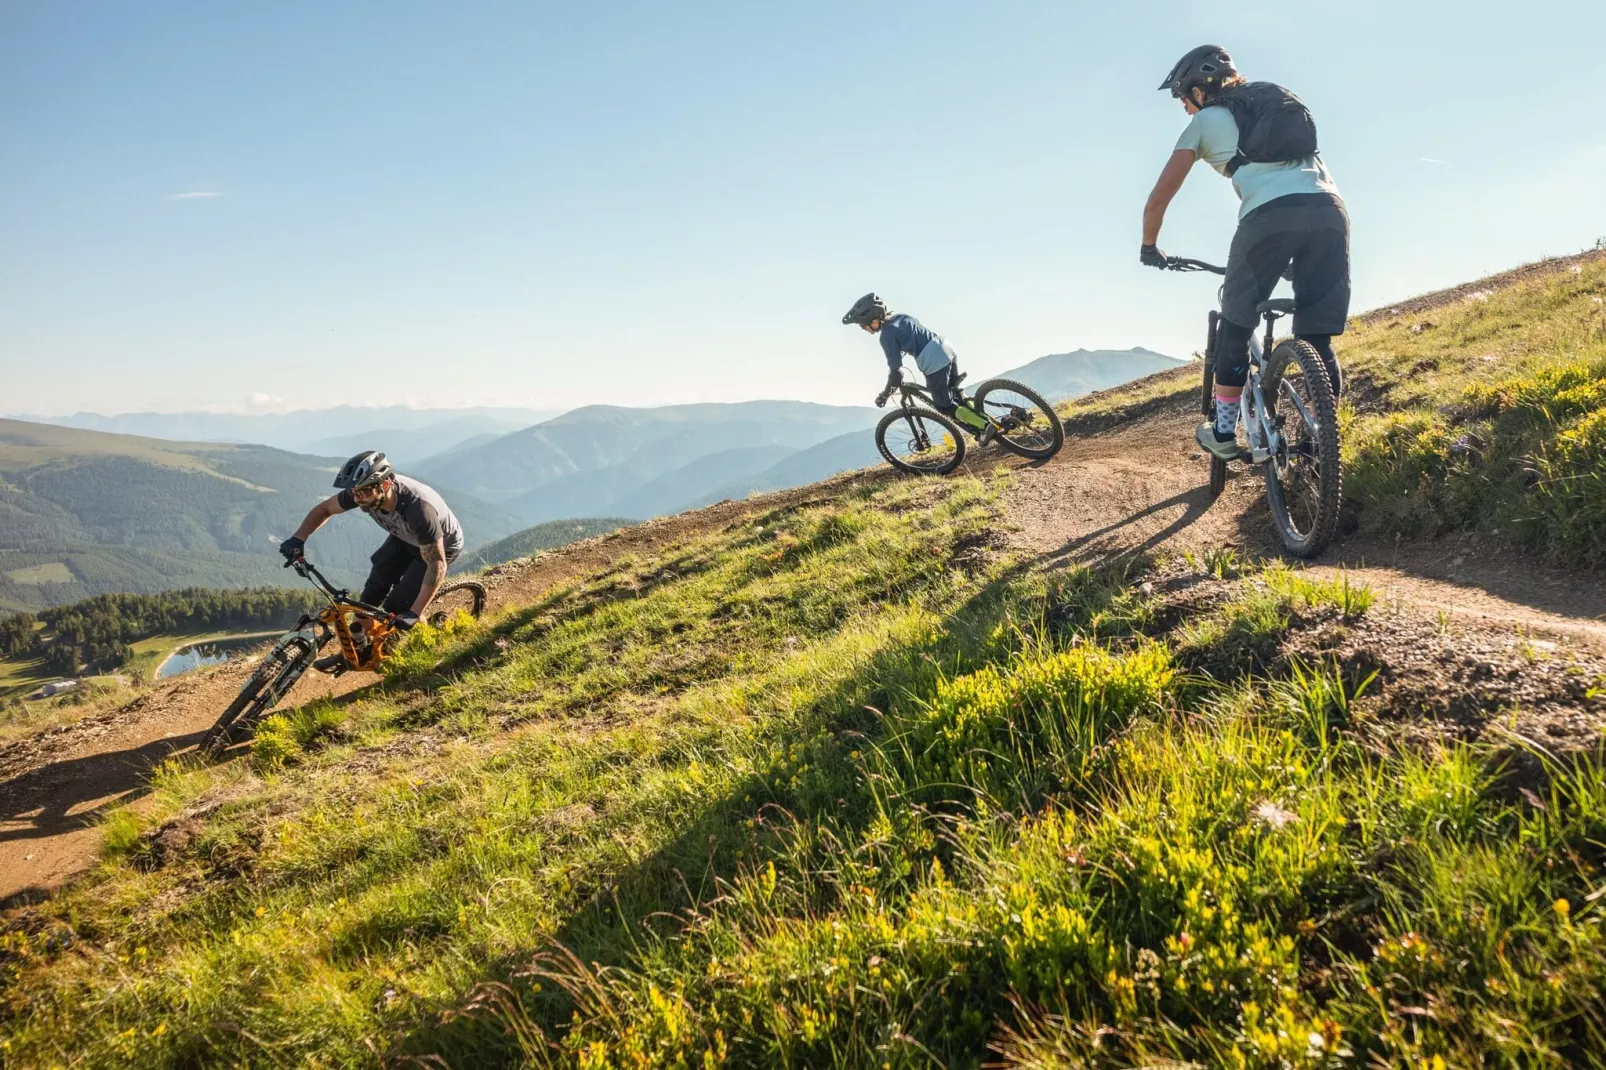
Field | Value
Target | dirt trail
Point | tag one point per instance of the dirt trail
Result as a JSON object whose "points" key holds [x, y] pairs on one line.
{"points": [[1141, 486], [1134, 487]]}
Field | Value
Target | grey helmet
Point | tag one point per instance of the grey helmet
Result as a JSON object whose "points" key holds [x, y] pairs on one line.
{"points": [[1205, 67], [866, 309], [364, 470]]}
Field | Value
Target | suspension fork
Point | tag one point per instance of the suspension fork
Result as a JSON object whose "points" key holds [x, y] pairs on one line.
{"points": [[1208, 401], [917, 430]]}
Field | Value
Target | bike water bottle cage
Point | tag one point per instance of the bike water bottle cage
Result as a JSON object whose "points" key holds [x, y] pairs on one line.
{"points": [[1274, 126]]}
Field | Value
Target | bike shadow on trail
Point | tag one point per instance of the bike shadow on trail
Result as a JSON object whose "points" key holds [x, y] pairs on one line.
{"points": [[46, 801], [1194, 503]]}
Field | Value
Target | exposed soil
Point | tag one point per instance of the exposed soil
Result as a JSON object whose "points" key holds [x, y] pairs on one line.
{"points": [[1457, 635]]}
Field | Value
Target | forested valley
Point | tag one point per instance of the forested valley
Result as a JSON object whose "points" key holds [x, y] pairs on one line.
{"points": [[97, 633]]}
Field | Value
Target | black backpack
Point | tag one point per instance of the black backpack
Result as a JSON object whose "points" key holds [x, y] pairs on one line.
{"points": [[1273, 125]]}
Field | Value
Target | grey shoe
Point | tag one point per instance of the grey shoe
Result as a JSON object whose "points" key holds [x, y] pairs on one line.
{"points": [[334, 664], [1225, 449]]}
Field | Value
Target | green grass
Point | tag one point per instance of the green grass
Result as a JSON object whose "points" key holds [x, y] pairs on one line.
{"points": [[808, 792], [1495, 418]]}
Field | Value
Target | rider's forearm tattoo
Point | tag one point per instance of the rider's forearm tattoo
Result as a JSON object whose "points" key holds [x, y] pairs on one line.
{"points": [[434, 569]]}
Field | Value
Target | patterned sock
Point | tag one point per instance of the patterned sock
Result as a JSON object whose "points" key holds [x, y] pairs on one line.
{"points": [[1226, 416]]}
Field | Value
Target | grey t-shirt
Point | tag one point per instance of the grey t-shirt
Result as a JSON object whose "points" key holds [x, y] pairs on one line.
{"points": [[1212, 135], [421, 516]]}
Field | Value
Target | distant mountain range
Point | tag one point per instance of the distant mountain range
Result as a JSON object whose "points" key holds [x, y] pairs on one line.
{"points": [[607, 461], [406, 434], [85, 512], [1070, 375], [604, 460]]}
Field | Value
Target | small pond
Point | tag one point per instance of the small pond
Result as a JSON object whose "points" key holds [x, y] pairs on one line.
{"points": [[209, 652]]}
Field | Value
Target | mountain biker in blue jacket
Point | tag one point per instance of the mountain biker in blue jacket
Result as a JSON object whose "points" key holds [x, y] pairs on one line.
{"points": [[902, 335], [1290, 212]]}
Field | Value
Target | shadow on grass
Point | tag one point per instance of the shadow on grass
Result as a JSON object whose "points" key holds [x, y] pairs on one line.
{"points": [[657, 896]]}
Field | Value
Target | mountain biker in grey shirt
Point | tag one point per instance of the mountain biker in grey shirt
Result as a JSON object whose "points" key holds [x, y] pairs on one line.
{"points": [[424, 535]]}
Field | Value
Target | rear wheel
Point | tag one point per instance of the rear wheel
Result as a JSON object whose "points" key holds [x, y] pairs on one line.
{"points": [[1024, 422], [465, 596], [269, 682], [920, 441], [1303, 478], [1218, 476]]}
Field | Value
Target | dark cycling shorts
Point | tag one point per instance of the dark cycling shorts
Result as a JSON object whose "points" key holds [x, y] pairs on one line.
{"points": [[396, 577], [941, 383], [1311, 230]]}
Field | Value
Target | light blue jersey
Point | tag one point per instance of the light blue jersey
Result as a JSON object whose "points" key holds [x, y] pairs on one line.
{"points": [[1212, 136]]}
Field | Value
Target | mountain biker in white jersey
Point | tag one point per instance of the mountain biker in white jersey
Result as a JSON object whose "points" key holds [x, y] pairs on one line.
{"points": [[1290, 212], [424, 537]]}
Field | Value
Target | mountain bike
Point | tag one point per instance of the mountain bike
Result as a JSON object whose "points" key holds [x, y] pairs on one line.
{"points": [[923, 441], [366, 636], [1290, 416]]}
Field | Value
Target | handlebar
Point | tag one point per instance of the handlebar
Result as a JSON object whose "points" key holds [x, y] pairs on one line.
{"points": [[308, 571], [1182, 263]]}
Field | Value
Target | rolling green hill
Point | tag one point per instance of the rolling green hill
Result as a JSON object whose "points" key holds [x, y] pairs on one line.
{"points": [[85, 513]]}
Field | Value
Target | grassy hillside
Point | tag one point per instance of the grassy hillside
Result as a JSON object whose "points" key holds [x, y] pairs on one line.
{"points": [[844, 785], [1487, 414], [85, 513], [533, 540], [836, 787]]}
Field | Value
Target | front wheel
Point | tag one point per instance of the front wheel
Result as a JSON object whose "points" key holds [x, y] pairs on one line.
{"points": [[1023, 421], [464, 596], [920, 441], [270, 681], [1303, 477]]}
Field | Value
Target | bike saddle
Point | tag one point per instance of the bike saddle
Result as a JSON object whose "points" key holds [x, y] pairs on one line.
{"points": [[1283, 306], [961, 377]]}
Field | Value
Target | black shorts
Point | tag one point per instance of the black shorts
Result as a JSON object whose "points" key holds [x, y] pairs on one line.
{"points": [[397, 575], [1311, 230]]}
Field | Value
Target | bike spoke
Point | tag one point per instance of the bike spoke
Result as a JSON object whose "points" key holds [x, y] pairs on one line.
{"points": [[920, 442], [1018, 419]]}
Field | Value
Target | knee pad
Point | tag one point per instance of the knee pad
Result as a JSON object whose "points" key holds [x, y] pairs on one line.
{"points": [[1232, 353]]}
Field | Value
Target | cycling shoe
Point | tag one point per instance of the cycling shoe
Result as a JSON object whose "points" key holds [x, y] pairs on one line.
{"points": [[333, 664], [1225, 449]]}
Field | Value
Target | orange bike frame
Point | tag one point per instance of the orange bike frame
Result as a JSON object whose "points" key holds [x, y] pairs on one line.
{"points": [[343, 620]]}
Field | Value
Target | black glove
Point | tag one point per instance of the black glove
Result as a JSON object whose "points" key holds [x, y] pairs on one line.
{"points": [[404, 621], [1151, 256], [291, 549], [894, 380]]}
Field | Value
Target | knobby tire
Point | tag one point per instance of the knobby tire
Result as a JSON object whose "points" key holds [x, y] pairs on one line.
{"points": [[269, 682], [930, 415], [1045, 412], [467, 594], [1323, 448]]}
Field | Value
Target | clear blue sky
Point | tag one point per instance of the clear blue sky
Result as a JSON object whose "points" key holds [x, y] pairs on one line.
{"points": [[561, 203]]}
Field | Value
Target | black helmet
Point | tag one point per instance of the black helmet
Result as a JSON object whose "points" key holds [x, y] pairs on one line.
{"points": [[1205, 67], [364, 470], [865, 309]]}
